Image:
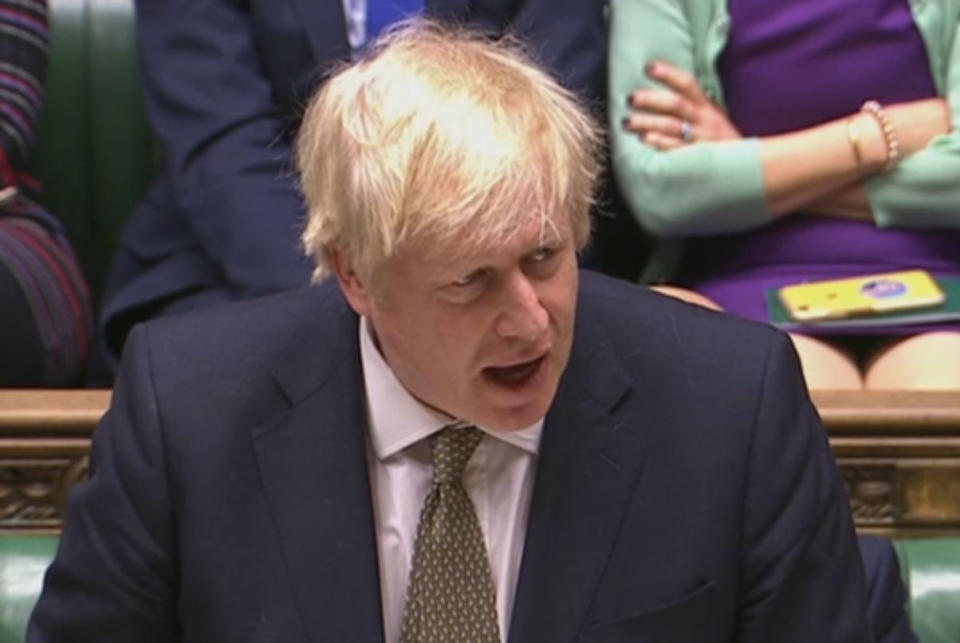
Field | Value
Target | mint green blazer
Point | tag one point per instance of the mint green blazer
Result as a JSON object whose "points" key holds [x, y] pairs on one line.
{"points": [[717, 187]]}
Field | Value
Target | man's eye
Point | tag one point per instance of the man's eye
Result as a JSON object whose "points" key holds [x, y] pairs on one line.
{"points": [[467, 288], [542, 254], [468, 280]]}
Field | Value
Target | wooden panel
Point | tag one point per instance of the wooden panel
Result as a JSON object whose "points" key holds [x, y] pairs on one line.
{"points": [[889, 412], [899, 454], [29, 413], [44, 444]]}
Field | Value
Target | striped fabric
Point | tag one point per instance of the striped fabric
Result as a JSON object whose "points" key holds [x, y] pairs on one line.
{"points": [[33, 246]]}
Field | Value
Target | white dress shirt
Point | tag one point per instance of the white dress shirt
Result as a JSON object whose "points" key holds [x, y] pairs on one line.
{"points": [[498, 479]]}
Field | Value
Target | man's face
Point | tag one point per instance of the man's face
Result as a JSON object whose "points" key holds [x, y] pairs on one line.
{"points": [[483, 336]]}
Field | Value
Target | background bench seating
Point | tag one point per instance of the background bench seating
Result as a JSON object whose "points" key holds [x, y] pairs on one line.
{"points": [[95, 153]]}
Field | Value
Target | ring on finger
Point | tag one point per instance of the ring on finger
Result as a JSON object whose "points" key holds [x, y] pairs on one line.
{"points": [[686, 132]]}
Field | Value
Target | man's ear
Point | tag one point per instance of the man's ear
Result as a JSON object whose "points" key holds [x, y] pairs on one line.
{"points": [[355, 288]]}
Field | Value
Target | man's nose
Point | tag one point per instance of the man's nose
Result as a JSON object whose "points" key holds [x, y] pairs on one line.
{"points": [[523, 315]]}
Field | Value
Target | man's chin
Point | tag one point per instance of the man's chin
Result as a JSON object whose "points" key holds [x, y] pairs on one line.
{"points": [[519, 415], [514, 423]]}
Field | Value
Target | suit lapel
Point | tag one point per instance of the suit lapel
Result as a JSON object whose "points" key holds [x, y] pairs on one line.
{"points": [[312, 461], [313, 467], [588, 470]]}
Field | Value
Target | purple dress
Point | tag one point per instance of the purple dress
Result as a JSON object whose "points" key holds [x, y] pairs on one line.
{"points": [[790, 65]]}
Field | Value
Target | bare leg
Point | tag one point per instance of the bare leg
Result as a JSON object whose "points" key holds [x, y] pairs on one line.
{"points": [[825, 366], [930, 361]]}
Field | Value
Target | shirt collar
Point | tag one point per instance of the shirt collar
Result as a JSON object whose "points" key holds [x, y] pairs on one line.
{"points": [[397, 419]]}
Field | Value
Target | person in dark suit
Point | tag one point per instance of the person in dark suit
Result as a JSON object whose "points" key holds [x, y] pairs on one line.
{"points": [[225, 84], [459, 436], [886, 595]]}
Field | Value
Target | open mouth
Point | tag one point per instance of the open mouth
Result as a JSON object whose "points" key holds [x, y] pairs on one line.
{"points": [[515, 376]]}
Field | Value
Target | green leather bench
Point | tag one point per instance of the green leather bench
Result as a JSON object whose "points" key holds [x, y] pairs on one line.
{"points": [[23, 560], [931, 571], [95, 153]]}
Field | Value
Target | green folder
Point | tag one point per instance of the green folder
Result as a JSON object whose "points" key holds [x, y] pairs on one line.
{"points": [[949, 310]]}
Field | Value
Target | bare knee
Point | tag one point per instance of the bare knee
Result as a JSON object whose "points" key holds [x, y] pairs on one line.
{"points": [[930, 361], [825, 366]]}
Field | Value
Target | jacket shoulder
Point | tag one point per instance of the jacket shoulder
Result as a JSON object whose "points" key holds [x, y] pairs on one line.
{"points": [[678, 345], [240, 346], [629, 312]]}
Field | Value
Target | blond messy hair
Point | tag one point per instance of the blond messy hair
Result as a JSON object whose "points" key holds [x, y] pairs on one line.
{"points": [[440, 135]]}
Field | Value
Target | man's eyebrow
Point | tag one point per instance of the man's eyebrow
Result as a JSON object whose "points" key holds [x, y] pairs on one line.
{"points": [[549, 232], [456, 268], [550, 240]]}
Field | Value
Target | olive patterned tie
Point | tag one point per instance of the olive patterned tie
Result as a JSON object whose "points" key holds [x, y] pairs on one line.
{"points": [[450, 597]]}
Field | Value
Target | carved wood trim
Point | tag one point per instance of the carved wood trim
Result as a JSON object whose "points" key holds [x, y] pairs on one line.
{"points": [[44, 447], [33, 492], [898, 452]]}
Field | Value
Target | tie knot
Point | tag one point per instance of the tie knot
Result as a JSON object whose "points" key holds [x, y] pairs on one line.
{"points": [[452, 448]]}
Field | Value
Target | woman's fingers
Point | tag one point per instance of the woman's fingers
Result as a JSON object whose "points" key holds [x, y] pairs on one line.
{"points": [[662, 101], [643, 122], [656, 130], [662, 141], [678, 113], [679, 80]]}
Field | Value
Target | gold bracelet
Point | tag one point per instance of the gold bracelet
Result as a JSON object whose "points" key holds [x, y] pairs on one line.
{"points": [[853, 135], [890, 138]]}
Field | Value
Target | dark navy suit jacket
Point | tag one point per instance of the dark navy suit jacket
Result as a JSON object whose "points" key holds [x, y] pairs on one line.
{"points": [[225, 84], [685, 491], [886, 594]]}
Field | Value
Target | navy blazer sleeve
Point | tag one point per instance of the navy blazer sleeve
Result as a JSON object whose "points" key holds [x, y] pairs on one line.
{"points": [[886, 595], [213, 108], [114, 577], [801, 577]]}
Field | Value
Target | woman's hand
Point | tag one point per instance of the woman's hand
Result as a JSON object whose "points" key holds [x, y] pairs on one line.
{"points": [[670, 118], [919, 122]]}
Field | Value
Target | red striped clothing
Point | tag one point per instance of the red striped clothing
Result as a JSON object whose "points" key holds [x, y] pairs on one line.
{"points": [[55, 316]]}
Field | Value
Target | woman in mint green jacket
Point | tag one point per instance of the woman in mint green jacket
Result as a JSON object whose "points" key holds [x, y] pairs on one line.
{"points": [[791, 141]]}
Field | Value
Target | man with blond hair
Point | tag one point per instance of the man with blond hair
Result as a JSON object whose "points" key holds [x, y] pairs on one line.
{"points": [[459, 436]]}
